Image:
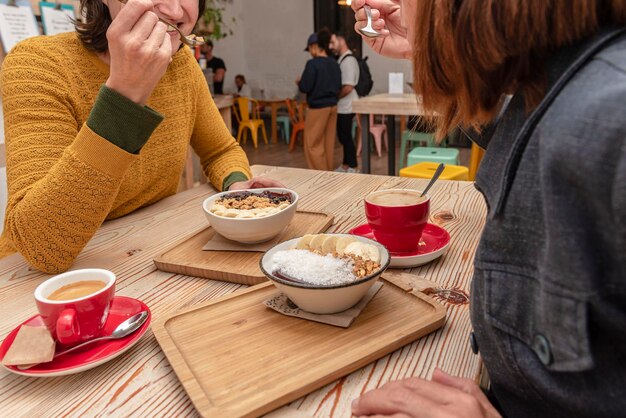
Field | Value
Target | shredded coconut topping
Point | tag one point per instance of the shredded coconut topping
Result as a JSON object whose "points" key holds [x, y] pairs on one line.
{"points": [[317, 269]]}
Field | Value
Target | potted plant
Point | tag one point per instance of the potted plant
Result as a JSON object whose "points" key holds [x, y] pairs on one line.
{"points": [[211, 24]]}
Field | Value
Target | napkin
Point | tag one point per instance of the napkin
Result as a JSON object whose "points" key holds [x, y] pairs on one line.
{"points": [[31, 345], [281, 303]]}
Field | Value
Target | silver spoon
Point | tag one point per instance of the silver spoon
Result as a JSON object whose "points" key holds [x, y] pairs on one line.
{"points": [[438, 172], [189, 40], [124, 329], [368, 30]]}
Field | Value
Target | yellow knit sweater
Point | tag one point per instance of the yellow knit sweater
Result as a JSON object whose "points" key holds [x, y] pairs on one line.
{"points": [[64, 180]]}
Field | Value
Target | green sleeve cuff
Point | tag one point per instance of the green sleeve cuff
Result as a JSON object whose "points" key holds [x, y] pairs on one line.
{"points": [[233, 178], [122, 121]]}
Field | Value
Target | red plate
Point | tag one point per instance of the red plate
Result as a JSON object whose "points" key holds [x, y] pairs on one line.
{"points": [[94, 354], [434, 242]]}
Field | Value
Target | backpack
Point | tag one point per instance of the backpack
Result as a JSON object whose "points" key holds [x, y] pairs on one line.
{"points": [[364, 85]]}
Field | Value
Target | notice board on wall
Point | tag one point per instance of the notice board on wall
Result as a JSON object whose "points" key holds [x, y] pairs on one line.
{"points": [[56, 17], [17, 22]]}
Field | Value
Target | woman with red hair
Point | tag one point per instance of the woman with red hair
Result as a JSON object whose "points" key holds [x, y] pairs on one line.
{"points": [[541, 85]]}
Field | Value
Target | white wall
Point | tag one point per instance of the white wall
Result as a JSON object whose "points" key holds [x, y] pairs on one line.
{"points": [[267, 47]]}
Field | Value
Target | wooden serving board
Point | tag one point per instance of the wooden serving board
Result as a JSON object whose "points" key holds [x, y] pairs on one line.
{"points": [[237, 358], [188, 258]]}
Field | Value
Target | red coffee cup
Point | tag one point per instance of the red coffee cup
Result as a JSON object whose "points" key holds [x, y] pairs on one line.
{"points": [[77, 319], [397, 218]]}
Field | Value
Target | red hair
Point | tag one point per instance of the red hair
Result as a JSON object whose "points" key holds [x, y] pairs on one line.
{"points": [[468, 53]]}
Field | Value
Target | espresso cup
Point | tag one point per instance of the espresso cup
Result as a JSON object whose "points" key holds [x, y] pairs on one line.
{"points": [[75, 305], [397, 218]]}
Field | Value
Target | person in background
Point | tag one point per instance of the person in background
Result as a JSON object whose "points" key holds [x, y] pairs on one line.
{"points": [[321, 82], [216, 64], [349, 79], [548, 294], [243, 89], [98, 123]]}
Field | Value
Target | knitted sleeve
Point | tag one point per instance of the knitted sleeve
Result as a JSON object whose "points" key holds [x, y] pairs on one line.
{"points": [[62, 178], [219, 153]]}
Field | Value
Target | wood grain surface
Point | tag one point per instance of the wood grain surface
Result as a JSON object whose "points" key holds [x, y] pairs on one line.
{"points": [[188, 258], [142, 382], [388, 104], [236, 357]]}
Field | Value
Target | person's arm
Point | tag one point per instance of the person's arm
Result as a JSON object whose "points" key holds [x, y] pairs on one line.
{"points": [[307, 80], [62, 177], [222, 159], [220, 71], [345, 90], [219, 74], [349, 75]]}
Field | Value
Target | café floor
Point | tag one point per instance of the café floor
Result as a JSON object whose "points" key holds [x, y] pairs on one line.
{"points": [[278, 155]]}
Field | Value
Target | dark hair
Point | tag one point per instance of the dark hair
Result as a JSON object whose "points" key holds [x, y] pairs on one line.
{"points": [[209, 43], [323, 39], [468, 53], [241, 77], [93, 30]]}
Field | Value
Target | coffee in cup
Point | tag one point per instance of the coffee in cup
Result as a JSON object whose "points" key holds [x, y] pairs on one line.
{"points": [[77, 290], [75, 305], [397, 218]]}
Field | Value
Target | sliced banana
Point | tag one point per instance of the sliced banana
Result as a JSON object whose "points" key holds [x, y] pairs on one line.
{"points": [[342, 243], [365, 251], [304, 242], [317, 241], [330, 243]]}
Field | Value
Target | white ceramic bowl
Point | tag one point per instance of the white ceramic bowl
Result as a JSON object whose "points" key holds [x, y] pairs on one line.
{"points": [[324, 299], [251, 230]]}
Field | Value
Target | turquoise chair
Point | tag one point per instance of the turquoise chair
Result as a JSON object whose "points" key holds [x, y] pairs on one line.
{"points": [[433, 155], [421, 139], [285, 126]]}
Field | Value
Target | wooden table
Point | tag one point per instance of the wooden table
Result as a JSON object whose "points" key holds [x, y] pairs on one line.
{"points": [[142, 383], [389, 105], [274, 105]]}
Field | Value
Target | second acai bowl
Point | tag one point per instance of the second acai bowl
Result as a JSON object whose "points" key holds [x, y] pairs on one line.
{"points": [[251, 216]]}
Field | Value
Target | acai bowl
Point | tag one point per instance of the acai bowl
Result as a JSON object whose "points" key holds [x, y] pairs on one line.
{"points": [[251, 216], [325, 273]]}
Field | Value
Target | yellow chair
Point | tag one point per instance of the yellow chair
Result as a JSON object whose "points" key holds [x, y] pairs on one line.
{"points": [[475, 158], [426, 170], [249, 120]]}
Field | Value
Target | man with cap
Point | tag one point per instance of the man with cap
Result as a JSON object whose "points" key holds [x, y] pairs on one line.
{"points": [[321, 82]]}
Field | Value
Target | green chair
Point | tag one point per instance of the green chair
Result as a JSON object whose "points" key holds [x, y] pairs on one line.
{"points": [[433, 155], [419, 138], [285, 126]]}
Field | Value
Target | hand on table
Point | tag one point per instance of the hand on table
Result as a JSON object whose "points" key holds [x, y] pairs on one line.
{"points": [[443, 396], [255, 183], [140, 50], [394, 42]]}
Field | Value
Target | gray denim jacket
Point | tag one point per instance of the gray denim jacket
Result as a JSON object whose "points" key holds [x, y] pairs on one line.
{"points": [[549, 291]]}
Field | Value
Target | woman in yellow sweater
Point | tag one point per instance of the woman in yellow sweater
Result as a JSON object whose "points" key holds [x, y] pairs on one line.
{"points": [[98, 122]]}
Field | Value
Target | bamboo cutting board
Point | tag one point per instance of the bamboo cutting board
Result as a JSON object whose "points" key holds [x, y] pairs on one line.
{"points": [[237, 358], [188, 258]]}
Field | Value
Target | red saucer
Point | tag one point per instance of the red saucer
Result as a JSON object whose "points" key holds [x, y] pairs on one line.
{"points": [[434, 242], [93, 355]]}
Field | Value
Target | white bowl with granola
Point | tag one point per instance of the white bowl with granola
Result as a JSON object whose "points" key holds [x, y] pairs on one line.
{"points": [[251, 216], [325, 273]]}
